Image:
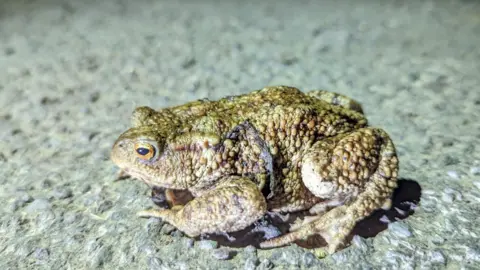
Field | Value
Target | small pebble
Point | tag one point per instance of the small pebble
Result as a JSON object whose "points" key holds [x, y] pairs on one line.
{"points": [[3, 158], [475, 170], [269, 231], [456, 257], [104, 206], [412, 206], [154, 263], [94, 96], [340, 258], [176, 233], [453, 174], [85, 188], [222, 254], [360, 243], [308, 260], [276, 255], [41, 254], [454, 194], [477, 184], [46, 183], [429, 204], [147, 248], [400, 211], [250, 263], [429, 192], [399, 229], [207, 244], [472, 255], [437, 257], [448, 198], [289, 256], [266, 264], [437, 240], [449, 224], [166, 228], [392, 258], [22, 199], [119, 215], [180, 265], [385, 219], [69, 217], [100, 257], [38, 205], [62, 193], [188, 242], [250, 249]]}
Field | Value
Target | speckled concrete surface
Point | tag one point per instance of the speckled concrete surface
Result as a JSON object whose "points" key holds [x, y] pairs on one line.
{"points": [[72, 72]]}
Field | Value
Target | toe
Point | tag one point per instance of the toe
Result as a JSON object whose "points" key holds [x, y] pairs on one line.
{"points": [[301, 223], [288, 238], [152, 213]]}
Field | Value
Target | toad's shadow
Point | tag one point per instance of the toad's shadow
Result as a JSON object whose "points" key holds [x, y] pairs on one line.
{"points": [[405, 198]]}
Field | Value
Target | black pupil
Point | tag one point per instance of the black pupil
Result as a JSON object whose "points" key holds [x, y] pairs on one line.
{"points": [[143, 151]]}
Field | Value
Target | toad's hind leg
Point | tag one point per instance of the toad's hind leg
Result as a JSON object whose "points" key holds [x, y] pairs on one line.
{"points": [[361, 167], [232, 205]]}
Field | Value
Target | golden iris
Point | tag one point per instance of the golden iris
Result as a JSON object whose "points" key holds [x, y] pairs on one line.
{"points": [[145, 151]]}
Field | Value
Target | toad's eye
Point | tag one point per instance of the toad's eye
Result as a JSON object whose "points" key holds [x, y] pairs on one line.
{"points": [[145, 151]]}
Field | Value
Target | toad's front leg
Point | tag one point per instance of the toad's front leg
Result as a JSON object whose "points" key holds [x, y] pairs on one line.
{"points": [[359, 170], [232, 205]]}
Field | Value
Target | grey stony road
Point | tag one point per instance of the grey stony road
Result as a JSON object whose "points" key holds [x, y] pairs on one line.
{"points": [[71, 72]]}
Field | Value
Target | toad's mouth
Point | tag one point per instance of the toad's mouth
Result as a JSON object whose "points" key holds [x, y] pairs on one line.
{"points": [[138, 175]]}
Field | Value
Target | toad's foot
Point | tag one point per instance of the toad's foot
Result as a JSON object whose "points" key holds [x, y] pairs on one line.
{"points": [[231, 206], [361, 168], [299, 223], [334, 227]]}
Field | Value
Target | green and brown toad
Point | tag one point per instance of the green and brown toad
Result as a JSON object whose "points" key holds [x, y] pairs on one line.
{"points": [[276, 149]]}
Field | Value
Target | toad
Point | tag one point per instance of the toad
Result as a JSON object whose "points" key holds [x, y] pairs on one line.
{"points": [[277, 149]]}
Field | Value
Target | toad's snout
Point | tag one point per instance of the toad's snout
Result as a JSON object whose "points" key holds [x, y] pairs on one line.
{"points": [[119, 153]]}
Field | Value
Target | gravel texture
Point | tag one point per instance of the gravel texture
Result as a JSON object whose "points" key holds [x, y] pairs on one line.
{"points": [[71, 72]]}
